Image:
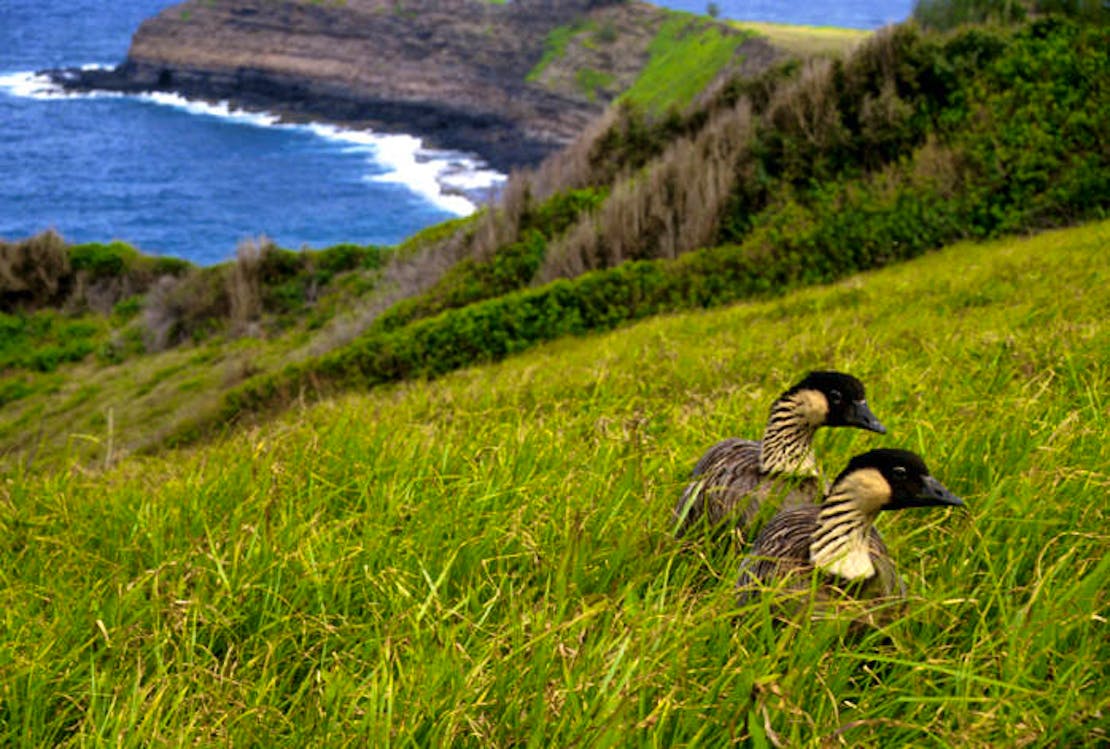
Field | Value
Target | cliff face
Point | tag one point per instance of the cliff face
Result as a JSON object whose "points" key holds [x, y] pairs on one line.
{"points": [[456, 72]]}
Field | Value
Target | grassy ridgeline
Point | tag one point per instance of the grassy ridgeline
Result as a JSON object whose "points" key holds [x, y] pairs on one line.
{"points": [[485, 559]]}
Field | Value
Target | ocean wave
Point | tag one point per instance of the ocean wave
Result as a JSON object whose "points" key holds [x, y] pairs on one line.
{"points": [[456, 177], [454, 182], [31, 86]]}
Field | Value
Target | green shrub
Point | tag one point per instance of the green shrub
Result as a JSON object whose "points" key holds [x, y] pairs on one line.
{"points": [[1016, 146], [48, 358], [127, 309], [559, 212], [13, 390], [34, 273], [164, 265], [346, 257], [1035, 135], [947, 14], [44, 340], [99, 261]]}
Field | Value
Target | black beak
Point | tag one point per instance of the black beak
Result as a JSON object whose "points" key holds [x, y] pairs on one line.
{"points": [[936, 493], [859, 415]]}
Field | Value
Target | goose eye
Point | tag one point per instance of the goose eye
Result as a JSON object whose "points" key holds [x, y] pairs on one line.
{"points": [[899, 472], [835, 397]]}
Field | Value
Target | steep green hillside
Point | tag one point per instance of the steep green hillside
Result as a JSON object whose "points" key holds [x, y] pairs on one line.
{"points": [[800, 175], [486, 559], [683, 58], [659, 59]]}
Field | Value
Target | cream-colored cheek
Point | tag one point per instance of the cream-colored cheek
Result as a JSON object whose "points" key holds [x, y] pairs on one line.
{"points": [[814, 406], [869, 490]]}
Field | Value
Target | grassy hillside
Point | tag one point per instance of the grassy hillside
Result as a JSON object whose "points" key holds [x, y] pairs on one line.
{"points": [[486, 560], [656, 57], [684, 58], [806, 40], [800, 175]]}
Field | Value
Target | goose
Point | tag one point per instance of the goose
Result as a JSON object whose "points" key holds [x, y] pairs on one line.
{"points": [[837, 538], [736, 476]]}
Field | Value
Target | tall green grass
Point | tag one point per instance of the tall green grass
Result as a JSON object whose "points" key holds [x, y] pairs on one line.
{"points": [[486, 559], [684, 57]]}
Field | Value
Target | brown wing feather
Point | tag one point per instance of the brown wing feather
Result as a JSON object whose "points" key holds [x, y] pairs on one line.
{"points": [[727, 472], [730, 483], [781, 552]]}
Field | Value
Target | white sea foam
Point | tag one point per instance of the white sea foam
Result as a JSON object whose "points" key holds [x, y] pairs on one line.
{"points": [[450, 180], [30, 86], [220, 110]]}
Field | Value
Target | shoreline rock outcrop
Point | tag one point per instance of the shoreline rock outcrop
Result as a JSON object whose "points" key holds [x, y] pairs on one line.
{"points": [[460, 74]]}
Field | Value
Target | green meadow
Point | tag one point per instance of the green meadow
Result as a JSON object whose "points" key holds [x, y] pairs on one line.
{"points": [[805, 40], [485, 559]]}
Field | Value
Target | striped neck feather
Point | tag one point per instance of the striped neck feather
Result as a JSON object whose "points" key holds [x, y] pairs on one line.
{"points": [[788, 439], [840, 544]]}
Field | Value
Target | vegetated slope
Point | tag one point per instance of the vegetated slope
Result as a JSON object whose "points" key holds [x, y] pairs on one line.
{"points": [[103, 349], [486, 559], [845, 165], [796, 176]]}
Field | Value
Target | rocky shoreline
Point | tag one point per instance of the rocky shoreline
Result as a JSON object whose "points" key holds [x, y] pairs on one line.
{"points": [[498, 141], [454, 73]]}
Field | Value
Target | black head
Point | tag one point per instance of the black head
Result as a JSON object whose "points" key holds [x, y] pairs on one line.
{"points": [[845, 398], [905, 480]]}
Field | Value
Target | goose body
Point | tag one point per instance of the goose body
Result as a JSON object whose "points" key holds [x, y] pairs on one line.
{"points": [[833, 549], [781, 552], [730, 482], [735, 477]]}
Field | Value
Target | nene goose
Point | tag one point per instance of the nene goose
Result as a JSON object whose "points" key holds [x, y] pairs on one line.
{"points": [[736, 476], [833, 549]]}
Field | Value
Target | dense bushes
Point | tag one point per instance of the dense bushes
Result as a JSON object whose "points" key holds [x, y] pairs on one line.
{"points": [[801, 176], [774, 260], [43, 340], [264, 287], [508, 267], [44, 272], [947, 14], [1035, 136], [1011, 110], [906, 151], [34, 272], [179, 301]]}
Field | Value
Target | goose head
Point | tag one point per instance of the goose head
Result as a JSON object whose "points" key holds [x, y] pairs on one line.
{"points": [[891, 479], [833, 399], [875, 481]]}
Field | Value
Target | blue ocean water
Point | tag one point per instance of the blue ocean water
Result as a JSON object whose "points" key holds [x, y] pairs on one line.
{"points": [[190, 180], [172, 177]]}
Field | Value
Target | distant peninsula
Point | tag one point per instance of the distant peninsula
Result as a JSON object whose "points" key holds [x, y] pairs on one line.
{"points": [[511, 81]]}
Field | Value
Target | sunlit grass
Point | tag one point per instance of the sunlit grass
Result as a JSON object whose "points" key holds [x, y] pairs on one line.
{"points": [[486, 559], [806, 40], [684, 57]]}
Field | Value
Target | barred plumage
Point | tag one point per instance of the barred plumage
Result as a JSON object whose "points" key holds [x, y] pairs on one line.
{"points": [[782, 553], [832, 550], [735, 477]]}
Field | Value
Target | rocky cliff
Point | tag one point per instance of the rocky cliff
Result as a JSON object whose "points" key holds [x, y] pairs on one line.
{"points": [[463, 74]]}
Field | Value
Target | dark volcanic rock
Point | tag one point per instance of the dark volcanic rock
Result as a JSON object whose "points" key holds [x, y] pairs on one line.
{"points": [[452, 71]]}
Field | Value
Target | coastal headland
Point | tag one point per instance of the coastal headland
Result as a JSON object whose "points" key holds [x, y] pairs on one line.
{"points": [[511, 82]]}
